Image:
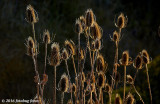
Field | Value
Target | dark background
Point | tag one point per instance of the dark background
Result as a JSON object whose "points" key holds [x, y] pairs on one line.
{"points": [[17, 69]]}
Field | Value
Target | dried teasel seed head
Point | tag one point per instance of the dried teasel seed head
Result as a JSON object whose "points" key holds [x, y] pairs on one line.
{"points": [[89, 17], [69, 101], [31, 15], [46, 37], [96, 31], [31, 49], [130, 99], [70, 47], [138, 62], [101, 79], [129, 79], [30, 42], [97, 44], [121, 21], [118, 99], [100, 63], [145, 57], [125, 58], [83, 22], [107, 88], [64, 83], [55, 54], [78, 27], [115, 36], [64, 54]]}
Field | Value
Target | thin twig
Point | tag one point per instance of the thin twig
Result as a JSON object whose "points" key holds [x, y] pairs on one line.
{"points": [[124, 84], [54, 85]]}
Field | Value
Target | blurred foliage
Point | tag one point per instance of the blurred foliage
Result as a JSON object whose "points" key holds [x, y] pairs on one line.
{"points": [[58, 16]]}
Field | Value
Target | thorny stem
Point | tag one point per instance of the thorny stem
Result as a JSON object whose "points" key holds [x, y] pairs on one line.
{"points": [[62, 97], [149, 87], [138, 93], [54, 85], [124, 85]]}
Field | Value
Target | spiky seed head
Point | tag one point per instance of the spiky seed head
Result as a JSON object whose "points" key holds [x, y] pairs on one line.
{"points": [[64, 83], [70, 47], [64, 54], [130, 99], [107, 88], [89, 17], [115, 36], [69, 101], [118, 99], [125, 58], [121, 21], [83, 22], [46, 37], [55, 54], [101, 79], [97, 44], [138, 62], [30, 42], [31, 15], [78, 27], [145, 57], [118, 77], [129, 79], [100, 63], [96, 32]]}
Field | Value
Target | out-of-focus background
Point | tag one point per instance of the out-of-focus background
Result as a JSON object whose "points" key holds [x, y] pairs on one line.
{"points": [[58, 16]]}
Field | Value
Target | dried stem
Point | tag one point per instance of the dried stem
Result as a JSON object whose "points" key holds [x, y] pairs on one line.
{"points": [[62, 97], [91, 98], [109, 98], [124, 85], [33, 30], [74, 65], [149, 87], [138, 93], [54, 85]]}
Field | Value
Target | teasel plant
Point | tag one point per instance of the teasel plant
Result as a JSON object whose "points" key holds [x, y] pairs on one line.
{"points": [[63, 86], [147, 60], [54, 61], [125, 61]]}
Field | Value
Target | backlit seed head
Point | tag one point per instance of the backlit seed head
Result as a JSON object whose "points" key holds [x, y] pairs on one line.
{"points": [[130, 99], [69, 101], [93, 87], [125, 58], [83, 22], [70, 47], [96, 31], [46, 37], [145, 57], [55, 54], [107, 88], [138, 62], [97, 44], [101, 79], [30, 42], [31, 14], [64, 54], [31, 49], [118, 99], [78, 27], [89, 18], [129, 79], [100, 63], [64, 83], [121, 21], [115, 36]]}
